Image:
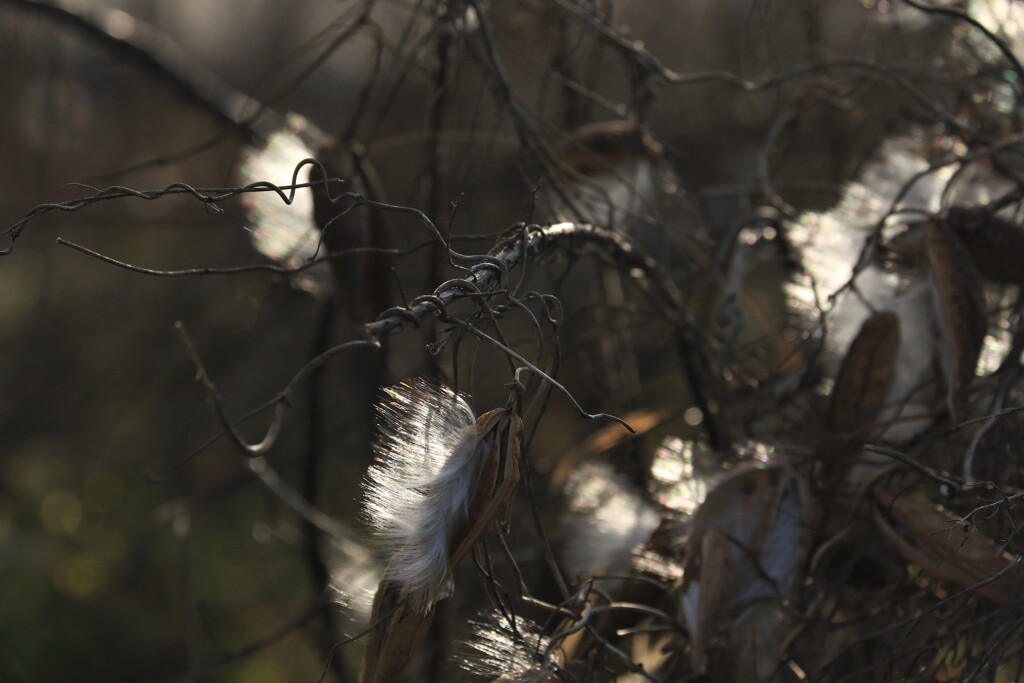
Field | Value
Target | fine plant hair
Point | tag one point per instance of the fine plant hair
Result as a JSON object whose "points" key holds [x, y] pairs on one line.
{"points": [[506, 648], [418, 489]]}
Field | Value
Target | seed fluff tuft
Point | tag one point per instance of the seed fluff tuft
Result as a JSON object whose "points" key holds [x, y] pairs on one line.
{"points": [[417, 491], [499, 650]]}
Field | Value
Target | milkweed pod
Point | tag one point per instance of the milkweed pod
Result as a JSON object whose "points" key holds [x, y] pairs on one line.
{"points": [[439, 482], [862, 386], [943, 545], [500, 434], [866, 374], [748, 543], [959, 308]]}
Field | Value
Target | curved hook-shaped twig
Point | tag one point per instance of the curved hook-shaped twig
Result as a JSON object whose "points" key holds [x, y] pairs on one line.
{"points": [[281, 401]]}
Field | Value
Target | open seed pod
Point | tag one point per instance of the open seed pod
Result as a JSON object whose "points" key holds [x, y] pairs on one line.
{"points": [[439, 483], [510, 649], [746, 550]]}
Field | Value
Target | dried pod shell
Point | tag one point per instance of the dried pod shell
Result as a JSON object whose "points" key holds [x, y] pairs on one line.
{"points": [[497, 479], [476, 476], [943, 546], [719, 577], [866, 374], [960, 311], [748, 544], [395, 635]]}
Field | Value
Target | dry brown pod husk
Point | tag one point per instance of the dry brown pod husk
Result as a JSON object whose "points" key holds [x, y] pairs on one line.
{"points": [[860, 392], [959, 308], [399, 622], [865, 376], [943, 545], [746, 551]]}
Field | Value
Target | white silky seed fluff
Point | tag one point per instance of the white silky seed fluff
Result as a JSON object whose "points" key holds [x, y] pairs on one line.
{"points": [[497, 651], [420, 485]]}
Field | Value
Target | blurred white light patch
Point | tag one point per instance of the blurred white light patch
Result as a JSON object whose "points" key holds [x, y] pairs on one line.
{"points": [[831, 243], [355, 575], [1005, 19], [993, 350], [653, 563], [606, 521], [693, 416], [120, 24], [285, 233], [674, 482], [757, 451]]}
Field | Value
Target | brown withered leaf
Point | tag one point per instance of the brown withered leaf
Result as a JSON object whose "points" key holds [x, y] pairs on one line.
{"points": [[399, 624], [747, 547], [995, 244], [866, 374], [960, 311], [929, 536]]}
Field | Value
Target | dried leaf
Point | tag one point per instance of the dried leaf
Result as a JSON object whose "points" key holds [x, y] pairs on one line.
{"points": [[960, 311], [926, 534], [604, 439]]}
